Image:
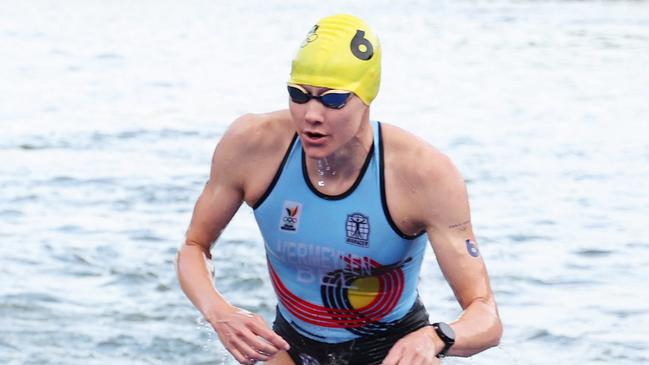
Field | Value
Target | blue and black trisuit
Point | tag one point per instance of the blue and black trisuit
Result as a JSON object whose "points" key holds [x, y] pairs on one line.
{"points": [[344, 274]]}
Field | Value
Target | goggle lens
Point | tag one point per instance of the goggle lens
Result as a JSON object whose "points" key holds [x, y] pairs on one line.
{"points": [[297, 95], [334, 99]]}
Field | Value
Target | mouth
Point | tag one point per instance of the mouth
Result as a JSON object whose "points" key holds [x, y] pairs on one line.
{"points": [[314, 136]]}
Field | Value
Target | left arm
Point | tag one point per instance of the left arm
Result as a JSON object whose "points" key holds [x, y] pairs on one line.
{"points": [[446, 218], [449, 230]]}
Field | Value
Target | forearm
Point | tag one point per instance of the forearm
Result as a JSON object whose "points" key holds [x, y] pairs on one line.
{"points": [[196, 281], [477, 329]]}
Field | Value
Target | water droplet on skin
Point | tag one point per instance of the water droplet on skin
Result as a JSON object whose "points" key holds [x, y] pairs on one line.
{"points": [[324, 168]]}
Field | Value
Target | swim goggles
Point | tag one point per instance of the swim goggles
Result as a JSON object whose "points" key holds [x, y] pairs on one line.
{"points": [[334, 99]]}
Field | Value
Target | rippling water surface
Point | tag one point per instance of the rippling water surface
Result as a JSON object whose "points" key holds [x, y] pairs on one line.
{"points": [[110, 110]]}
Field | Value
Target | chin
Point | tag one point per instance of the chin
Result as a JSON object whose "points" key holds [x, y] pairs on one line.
{"points": [[316, 152]]}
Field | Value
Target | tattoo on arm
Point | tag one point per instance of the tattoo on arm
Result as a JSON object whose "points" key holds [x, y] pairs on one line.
{"points": [[460, 226], [472, 248]]}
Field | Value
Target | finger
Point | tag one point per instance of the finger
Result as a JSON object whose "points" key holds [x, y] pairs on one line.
{"points": [[257, 343], [264, 347], [409, 359], [251, 335], [237, 335], [260, 347], [241, 359], [393, 356], [417, 357], [248, 351], [269, 335]]}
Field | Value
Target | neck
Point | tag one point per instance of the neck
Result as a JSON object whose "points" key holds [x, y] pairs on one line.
{"points": [[341, 168]]}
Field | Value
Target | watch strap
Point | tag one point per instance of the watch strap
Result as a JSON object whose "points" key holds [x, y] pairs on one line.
{"points": [[446, 334]]}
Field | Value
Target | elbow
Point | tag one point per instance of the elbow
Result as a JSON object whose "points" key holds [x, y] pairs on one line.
{"points": [[488, 339], [493, 330], [484, 330], [499, 334], [491, 336], [496, 333]]}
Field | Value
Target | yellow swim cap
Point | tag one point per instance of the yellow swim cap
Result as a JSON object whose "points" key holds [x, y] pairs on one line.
{"points": [[340, 52]]}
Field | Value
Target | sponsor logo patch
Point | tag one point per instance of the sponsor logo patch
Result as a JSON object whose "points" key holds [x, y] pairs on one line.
{"points": [[290, 218], [358, 229]]}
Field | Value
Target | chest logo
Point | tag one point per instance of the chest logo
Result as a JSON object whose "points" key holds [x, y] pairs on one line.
{"points": [[358, 229], [290, 218]]}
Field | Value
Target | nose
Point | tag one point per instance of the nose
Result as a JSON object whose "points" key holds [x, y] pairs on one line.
{"points": [[314, 112]]}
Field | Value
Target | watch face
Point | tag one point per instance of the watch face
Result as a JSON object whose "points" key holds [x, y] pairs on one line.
{"points": [[446, 330]]}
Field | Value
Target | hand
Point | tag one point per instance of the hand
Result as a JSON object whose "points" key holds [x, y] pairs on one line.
{"points": [[417, 348], [246, 336]]}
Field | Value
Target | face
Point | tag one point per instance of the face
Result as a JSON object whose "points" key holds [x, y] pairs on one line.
{"points": [[323, 130]]}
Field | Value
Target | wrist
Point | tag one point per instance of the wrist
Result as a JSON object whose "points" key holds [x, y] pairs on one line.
{"points": [[215, 311], [445, 338], [438, 344]]}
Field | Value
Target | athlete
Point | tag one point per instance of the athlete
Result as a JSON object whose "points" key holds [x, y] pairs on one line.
{"points": [[346, 206]]}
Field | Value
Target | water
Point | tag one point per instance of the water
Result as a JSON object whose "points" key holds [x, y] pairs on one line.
{"points": [[109, 112]]}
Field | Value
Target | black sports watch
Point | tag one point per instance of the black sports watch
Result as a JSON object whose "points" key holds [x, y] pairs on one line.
{"points": [[446, 333]]}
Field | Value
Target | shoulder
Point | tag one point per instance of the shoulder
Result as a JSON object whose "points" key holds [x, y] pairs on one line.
{"points": [[251, 148], [413, 157], [422, 176], [254, 132]]}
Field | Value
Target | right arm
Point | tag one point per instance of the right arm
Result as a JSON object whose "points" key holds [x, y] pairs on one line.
{"points": [[244, 335]]}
